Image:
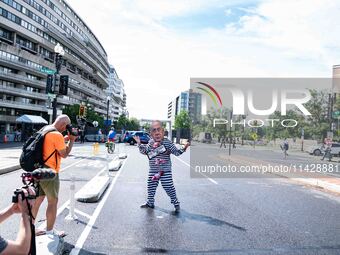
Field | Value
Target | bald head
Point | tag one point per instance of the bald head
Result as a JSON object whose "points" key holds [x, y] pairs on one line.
{"points": [[61, 122]]}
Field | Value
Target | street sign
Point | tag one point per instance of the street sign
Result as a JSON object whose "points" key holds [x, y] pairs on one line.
{"points": [[52, 96], [336, 114], [254, 136], [47, 70], [107, 122]]}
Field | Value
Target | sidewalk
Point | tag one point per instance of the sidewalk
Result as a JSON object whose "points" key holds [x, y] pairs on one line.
{"points": [[9, 157], [326, 182]]}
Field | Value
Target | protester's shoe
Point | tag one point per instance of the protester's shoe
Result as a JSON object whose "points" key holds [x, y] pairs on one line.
{"points": [[56, 233], [40, 232], [146, 205], [177, 208]]}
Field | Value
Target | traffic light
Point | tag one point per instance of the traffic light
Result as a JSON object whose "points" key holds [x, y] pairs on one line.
{"points": [[63, 86], [81, 110], [49, 84]]}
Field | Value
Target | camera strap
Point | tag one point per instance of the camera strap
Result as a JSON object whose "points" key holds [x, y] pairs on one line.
{"points": [[33, 245]]}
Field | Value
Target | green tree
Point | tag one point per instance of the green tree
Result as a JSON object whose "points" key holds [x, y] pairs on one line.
{"points": [[73, 110], [133, 124], [122, 123], [182, 120]]}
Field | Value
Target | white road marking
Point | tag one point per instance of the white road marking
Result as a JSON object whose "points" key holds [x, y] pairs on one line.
{"points": [[213, 181], [63, 207], [88, 228], [63, 169]]}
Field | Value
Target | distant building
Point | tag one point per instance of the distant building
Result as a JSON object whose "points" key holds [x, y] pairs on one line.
{"points": [[336, 81], [118, 96], [187, 101]]}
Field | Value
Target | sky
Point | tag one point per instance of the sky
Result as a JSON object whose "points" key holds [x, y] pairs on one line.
{"points": [[156, 46]]}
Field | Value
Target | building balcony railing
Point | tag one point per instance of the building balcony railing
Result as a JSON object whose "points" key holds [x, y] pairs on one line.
{"points": [[103, 111], [101, 77], [82, 87], [20, 65], [96, 102], [23, 92], [21, 79], [63, 37], [21, 105]]}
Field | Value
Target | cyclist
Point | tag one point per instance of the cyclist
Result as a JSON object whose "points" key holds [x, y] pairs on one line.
{"points": [[112, 135]]}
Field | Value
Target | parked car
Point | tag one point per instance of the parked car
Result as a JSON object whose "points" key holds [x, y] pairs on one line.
{"points": [[95, 138], [128, 138], [320, 150]]}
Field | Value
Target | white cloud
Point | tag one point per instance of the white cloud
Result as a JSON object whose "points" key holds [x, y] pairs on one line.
{"points": [[156, 63]]}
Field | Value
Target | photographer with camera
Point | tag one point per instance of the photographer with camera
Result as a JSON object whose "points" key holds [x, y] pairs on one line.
{"points": [[23, 241], [54, 143]]}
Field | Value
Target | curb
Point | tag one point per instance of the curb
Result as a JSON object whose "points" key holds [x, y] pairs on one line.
{"points": [[49, 244], [9, 169], [115, 164], [93, 190], [318, 183]]}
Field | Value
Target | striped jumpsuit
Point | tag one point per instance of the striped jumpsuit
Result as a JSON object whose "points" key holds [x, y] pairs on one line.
{"points": [[166, 178]]}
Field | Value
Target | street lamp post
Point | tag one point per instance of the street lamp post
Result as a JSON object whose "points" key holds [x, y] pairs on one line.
{"points": [[107, 114], [59, 53]]}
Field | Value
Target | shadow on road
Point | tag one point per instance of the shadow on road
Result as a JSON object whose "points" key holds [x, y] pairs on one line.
{"points": [[184, 215]]}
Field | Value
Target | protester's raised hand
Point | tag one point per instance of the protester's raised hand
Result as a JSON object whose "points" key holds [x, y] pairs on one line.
{"points": [[186, 145], [137, 139]]}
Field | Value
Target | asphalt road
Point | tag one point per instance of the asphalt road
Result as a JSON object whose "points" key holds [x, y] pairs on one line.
{"points": [[218, 215]]}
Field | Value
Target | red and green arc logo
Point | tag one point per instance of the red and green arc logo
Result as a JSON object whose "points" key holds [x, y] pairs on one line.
{"points": [[211, 91]]}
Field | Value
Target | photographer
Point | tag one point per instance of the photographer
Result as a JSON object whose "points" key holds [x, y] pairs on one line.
{"points": [[22, 244], [53, 143]]}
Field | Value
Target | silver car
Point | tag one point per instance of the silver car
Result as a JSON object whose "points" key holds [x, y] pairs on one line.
{"points": [[320, 150]]}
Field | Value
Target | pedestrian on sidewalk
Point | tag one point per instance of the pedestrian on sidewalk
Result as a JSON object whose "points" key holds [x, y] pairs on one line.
{"points": [[328, 149], [223, 142], [54, 142], [158, 151]]}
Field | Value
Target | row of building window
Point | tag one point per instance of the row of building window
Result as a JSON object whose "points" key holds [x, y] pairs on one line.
{"points": [[21, 99], [9, 84], [6, 34], [7, 70], [41, 9], [26, 43], [39, 32], [15, 58], [69, 21]]}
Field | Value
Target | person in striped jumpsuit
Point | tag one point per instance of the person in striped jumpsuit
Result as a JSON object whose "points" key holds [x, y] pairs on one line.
{"points": [[158, 151]]}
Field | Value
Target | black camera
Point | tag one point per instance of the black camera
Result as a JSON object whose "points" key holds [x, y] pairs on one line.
{"points": [[30, 181], [70, 130]]}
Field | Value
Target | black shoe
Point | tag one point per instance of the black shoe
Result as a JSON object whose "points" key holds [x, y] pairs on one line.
{"points": [[177, 208], [146, 205]]}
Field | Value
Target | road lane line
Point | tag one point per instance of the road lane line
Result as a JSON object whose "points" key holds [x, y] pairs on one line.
{"points": [[63, 169], [213, 181], [88, 228]]}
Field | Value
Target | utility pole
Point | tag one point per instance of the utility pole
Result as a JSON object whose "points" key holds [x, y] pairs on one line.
{"points": [[231, 117]]}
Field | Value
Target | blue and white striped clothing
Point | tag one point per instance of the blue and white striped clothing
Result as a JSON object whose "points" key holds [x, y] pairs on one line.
{"points": [[170, 149], [165, 166]]}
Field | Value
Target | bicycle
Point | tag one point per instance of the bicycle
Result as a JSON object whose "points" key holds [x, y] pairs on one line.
{"points": [[110, 147]]}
